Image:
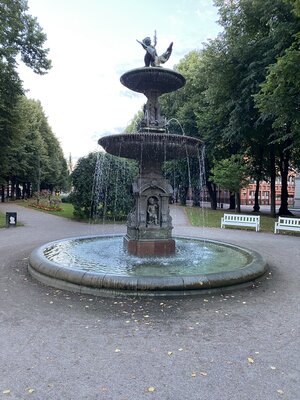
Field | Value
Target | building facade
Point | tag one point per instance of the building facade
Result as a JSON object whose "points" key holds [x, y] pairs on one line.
{"points": [[264, 198]]}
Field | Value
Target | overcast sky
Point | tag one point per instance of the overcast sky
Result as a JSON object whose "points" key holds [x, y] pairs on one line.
{"points": [[92, 43]]}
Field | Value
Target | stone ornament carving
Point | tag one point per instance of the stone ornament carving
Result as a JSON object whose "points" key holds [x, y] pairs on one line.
{"points": [[152, 211]]}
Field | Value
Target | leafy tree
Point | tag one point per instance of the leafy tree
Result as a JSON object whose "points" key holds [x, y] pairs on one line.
{"points": [[181, 109], [223, 79], [102, 185], [257, 34], [232, 174], [20, 35], [35, 157]]}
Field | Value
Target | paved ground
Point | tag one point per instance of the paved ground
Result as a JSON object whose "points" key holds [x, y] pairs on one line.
{"points": [[242, 345]]}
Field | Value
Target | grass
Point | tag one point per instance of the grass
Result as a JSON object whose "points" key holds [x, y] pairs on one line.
{"points": [[212, 218], [65, 212], [2, 220]]}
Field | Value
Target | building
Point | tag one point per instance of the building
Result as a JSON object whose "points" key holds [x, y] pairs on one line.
{"points": [[264, 198]]}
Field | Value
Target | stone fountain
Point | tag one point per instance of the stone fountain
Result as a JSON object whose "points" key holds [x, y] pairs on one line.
{"points": [[149, 225], [149, 262]]}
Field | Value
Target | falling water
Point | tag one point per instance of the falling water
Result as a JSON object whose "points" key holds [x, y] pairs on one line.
{"points": [[98, 182], [176, 120], [189, 196], [202, 174]]}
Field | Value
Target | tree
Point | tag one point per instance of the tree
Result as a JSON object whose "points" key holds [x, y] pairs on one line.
{"points": [[35, 158], [182, 108], [279, 102], [231, 174], [218, 103], [20, 35]]}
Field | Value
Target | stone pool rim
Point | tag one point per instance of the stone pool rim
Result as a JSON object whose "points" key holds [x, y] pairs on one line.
{"points": [[106, 284]]}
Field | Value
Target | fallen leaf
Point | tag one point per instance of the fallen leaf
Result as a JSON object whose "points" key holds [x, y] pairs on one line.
{"points": [[203, 373], [250, 360], [193, 375], [151, 389], [280, 391], [7, 391], [117, 351], [272, 367], [170, 353], [30, 391]]}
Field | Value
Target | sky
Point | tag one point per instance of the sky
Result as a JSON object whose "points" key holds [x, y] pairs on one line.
{"points": [[92, 43]]}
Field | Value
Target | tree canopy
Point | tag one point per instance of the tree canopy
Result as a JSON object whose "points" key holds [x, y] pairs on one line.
{"points": [[242, 91], [29, 151]]}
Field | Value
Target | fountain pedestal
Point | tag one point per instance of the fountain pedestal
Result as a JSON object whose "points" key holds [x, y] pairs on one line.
{"points": [[149, 224]]}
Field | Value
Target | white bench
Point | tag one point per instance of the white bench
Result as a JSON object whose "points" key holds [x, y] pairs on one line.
{"points": [[252, 221], [287, 224]]}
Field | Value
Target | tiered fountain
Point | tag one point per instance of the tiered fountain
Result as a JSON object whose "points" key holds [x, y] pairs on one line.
{"points": [[150, 261], [149, 226]]}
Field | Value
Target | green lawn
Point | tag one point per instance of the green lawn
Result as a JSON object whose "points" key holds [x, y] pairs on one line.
{"points": [[2, 220], [66, 212], [212, 218]]}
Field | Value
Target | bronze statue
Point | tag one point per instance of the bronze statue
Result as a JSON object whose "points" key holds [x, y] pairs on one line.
{"points": [[151, 57]]}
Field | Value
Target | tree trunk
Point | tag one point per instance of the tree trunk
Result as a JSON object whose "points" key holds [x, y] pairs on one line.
{"points": [[237, 202], [7, 191], [13, 188], [273, 181], [2, 193], [256, 206], [212, 191], [284, 171], [232, 201]]}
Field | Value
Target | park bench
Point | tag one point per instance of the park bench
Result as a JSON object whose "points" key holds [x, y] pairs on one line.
{"points": [[287, 224], [252, 221]]}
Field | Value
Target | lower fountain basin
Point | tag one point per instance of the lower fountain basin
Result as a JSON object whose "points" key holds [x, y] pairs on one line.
{"points": [[99, 265], [153, 146]]}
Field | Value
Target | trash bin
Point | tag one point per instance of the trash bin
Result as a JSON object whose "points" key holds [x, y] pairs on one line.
{"points": [[11, 219]]}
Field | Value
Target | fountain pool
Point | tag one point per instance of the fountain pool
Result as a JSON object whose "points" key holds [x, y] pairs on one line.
{"points": [[100, 265]]}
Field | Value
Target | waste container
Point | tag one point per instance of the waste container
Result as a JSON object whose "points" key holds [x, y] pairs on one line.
{"points": [[11, 219]]}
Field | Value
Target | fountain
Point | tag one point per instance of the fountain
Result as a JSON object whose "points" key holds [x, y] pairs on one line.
{"points": [[148, 260]]}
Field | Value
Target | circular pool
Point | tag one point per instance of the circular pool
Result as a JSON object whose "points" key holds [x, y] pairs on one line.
{"points": [[99, 265]]}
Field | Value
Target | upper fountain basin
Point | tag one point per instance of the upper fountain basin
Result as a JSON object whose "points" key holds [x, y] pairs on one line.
{"points": [[152, 146], [158, 79]]}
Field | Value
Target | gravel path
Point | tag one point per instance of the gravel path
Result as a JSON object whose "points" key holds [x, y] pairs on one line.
{"points": [[241, 345]]}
